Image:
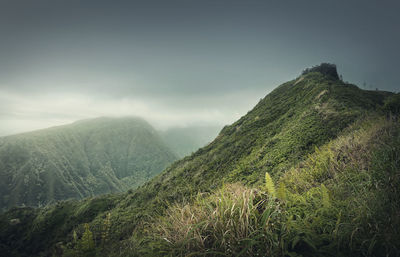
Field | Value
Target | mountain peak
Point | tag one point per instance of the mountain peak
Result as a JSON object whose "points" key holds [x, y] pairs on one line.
{"points": [[324, 68]]}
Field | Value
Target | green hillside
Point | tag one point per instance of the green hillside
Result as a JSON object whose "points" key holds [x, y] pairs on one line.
{"points": [[86, 158], [311, 170]]}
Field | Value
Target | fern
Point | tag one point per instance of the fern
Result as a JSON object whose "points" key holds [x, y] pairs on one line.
{"points": [[269, 185], [281, 194], [325, 197], [106, 228], [87, 242], [75, 237]]}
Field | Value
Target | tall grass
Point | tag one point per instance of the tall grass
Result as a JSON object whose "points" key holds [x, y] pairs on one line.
{"points": [[343, 200], [236, 221]]}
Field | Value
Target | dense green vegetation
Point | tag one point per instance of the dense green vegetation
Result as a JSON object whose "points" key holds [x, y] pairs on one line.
{"points": [[312, 170], [324, 68], [341, 201], [83, 159]]}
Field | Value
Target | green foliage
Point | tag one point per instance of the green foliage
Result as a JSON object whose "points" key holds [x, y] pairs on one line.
{"points": [[86, 244], [106, 228], [324, 68], [233, 222], [83, 159], [281, 194], [332, 156], [269, 185], [392, 104], [325, 197], [339, 219]]}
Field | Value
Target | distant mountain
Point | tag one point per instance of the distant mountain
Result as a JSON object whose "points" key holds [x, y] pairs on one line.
{"points": [[86, 158], [186, 140], [311, 170]]}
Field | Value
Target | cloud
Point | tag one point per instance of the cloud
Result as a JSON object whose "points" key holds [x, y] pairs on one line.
{"points": [[25, 112], [179, 62]]}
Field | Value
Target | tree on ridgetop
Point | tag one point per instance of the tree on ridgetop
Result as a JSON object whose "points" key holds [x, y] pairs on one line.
{"points": [[324, 68]]}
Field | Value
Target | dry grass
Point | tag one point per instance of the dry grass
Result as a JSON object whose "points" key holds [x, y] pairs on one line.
{"points": [[342, 199], [228, 222]]}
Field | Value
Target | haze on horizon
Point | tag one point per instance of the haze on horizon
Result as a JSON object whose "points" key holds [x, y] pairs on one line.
{"points": [[180, 63]]}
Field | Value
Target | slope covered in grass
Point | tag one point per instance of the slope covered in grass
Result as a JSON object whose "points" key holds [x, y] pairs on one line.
{"points": [[281, 130], [342, 200], [279, 136], [83, 159]]}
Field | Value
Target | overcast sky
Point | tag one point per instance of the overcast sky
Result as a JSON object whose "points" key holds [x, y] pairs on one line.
{"points": [[180, 62]]}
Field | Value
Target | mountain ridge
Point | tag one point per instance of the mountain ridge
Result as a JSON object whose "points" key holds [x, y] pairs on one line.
{"points": [[290, 131], [72, 158]]}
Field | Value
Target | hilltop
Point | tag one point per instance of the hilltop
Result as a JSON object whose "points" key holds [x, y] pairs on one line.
{"points": [[311, 170], [86, 158], [327, 69]]}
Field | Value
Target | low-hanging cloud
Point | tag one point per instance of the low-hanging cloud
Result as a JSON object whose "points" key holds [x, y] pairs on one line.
{"points": [[20, 113], [179, 62]]}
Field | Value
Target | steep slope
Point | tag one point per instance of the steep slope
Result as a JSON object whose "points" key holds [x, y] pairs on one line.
{"points": [[277, 136], [342, 200], [279, 132], [186, 140], [83, 159]]}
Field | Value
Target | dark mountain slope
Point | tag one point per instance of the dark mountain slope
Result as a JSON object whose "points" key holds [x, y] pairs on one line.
{"points": [[83, 159], [277, 135]]}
